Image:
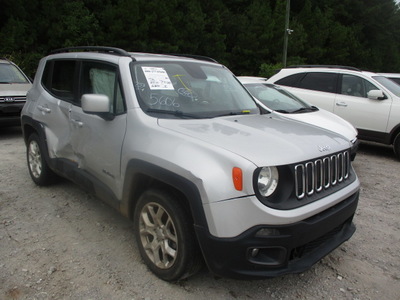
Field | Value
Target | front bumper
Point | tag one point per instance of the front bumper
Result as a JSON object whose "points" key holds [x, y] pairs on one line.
{"points": [[280, 249], [10, 114]]}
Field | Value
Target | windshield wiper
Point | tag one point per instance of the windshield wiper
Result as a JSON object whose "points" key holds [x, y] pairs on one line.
{"points": [[305, 109], [177, 113], [233, 113]]}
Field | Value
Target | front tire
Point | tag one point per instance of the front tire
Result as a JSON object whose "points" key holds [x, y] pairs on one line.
{"points": [[165, 236], [40, 172]]}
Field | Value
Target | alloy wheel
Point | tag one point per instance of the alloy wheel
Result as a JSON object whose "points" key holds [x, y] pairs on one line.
{"points": [[158, 235]]}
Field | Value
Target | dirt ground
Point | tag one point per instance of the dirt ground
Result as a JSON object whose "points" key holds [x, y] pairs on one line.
{"points": [[59, 242]]}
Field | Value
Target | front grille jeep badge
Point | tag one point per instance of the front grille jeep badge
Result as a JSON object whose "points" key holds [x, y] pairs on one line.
{"points": [[324, 148]]}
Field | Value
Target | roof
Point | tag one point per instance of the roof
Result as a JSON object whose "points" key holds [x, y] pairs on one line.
{"points": [[133, 55]]}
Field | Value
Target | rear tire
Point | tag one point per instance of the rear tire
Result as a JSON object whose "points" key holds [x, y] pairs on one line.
{"points": [[165, 236], [40, 172]]}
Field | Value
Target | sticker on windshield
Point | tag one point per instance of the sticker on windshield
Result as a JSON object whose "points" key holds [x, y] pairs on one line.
{"points": [[157, 78]]}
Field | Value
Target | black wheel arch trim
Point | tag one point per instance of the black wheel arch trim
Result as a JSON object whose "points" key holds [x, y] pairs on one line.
{"points": [[394, 133], [133, 186], [39, 128]]}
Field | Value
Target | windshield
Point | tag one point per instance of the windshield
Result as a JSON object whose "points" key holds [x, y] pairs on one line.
{"points": [[277, 99], [389, 84], [190, 90], [11, 74]]}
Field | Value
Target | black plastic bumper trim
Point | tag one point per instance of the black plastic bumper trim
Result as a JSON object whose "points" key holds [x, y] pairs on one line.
{"points": [[296, 247]]}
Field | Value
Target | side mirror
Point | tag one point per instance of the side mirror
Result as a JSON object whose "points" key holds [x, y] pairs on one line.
{"points": [[97, 104], [376, 95]]}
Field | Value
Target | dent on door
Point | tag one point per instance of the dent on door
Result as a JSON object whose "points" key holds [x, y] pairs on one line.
{"points": [[55, 115]]}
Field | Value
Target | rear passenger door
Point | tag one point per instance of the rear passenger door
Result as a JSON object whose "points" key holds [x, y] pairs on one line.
{"points": [[54, 107], [317, 88], [97, 141], [352, 104]]}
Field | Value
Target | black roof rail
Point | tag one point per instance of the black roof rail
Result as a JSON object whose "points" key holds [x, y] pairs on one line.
{"points": [[102, 49], [200, 57], [326, 66]]}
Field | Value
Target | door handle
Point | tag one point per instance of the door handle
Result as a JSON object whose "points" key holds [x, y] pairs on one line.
{"points": [[77, 122], [44, 109], [341, 104]]}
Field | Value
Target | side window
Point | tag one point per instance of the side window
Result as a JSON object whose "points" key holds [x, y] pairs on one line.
{"points": [[58, 78], [100, 78], [324, 82], [356, 86], [292, 80]]}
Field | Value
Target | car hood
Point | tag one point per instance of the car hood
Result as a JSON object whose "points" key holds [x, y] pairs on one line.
{"points": [[14, 89], [326, 120], [261, 139]]}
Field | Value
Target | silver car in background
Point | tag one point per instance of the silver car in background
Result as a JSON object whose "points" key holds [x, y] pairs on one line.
{"points": [[14, 85]]}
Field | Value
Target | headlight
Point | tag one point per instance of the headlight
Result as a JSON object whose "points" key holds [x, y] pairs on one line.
{"points": [[267, 181]]}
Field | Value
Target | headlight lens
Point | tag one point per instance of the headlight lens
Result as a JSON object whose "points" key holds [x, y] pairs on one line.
{"points": [[267, 181]]}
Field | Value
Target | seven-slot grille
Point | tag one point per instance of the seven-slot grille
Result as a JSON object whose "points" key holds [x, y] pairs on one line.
{"points": [[321, 174]]}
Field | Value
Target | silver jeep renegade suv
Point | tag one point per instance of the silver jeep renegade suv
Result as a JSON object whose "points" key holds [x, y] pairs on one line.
{"points": [[180, 147]]}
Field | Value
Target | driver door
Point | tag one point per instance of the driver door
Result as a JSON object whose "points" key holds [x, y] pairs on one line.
{"points": [[97, 141]]}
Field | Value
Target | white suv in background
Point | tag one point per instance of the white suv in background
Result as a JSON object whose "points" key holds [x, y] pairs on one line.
{"points": [[369, 101], [280, 101], [392, 76]]}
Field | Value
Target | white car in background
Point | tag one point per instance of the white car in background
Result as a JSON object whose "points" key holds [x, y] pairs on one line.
{"points": [[392, 76], [369, 101], [280, 101]]}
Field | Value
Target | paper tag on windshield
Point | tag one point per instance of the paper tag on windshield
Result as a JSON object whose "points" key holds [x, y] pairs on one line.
{"points": [[157, 78]]}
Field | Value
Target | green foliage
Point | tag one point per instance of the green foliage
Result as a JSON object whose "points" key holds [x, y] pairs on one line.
{"points": [[267, 70], [246, 35]]}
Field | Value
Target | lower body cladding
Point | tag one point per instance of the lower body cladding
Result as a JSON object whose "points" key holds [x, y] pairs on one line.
{"points": [[269, 251]]}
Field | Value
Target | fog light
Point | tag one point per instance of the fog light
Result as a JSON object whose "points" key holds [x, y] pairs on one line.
{"points": [[254, 252]]}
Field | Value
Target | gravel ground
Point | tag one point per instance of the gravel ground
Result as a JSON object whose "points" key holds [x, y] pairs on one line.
{"points": [[59, 242]]}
